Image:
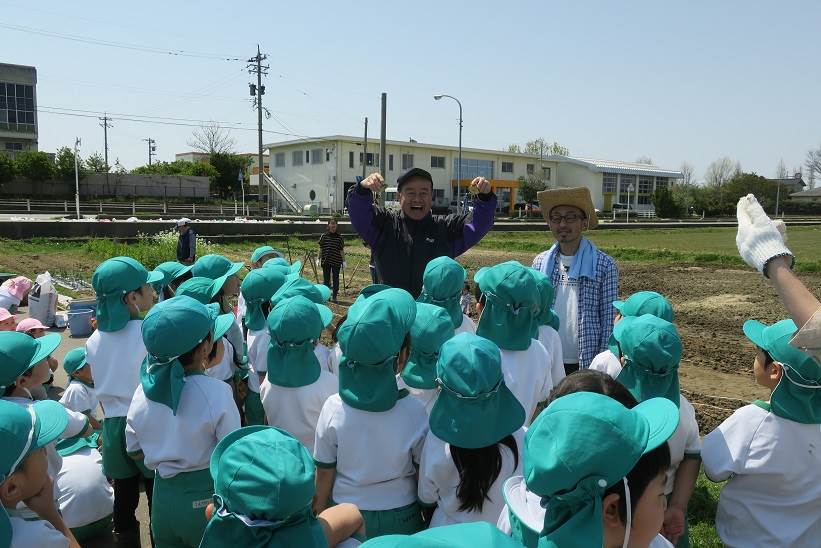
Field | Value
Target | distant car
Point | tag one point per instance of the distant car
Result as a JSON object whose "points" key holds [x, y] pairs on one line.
{"points": [[533, 207], [622, 209]]}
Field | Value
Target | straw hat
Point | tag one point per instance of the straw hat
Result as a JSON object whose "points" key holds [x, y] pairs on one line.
{"points": [[576, 197]]}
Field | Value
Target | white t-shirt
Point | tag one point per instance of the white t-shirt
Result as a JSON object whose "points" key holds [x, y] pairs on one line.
{"points": [[183, 442], [115, 359], [426, 396], [375, 453], [333, 359], [7, 300], [37, 532], [322, 353], [439, 480], [242, 307], [257, 356], [85, 494], [80, 398], [467, 326], [567, 307], [551, 341], [297, 409], [527, 375], [224, 370], [773, 470]]}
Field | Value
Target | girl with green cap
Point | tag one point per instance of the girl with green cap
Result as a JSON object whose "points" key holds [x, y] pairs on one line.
{"points": [[442, 285], [768, 451], [476, 437], [369, 437], [546, 325], [179, 414], [508, 304], [296, 386], [259, 257]]}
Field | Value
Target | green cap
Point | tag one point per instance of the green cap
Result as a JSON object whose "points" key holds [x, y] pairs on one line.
{"points": [[797, 396], [296, 285], [371, 338], [171, 270], [545, 316], [461, 535], [200, 288], [652, 351], [215, 266], [257, 287], [20, 352], [170, 329], [474, 408], [111, 281], [263, 489], [294, 325], [431, 328], [263, 251], [579, 446], [442, 285], [512, 301], [373, 289], [281, 264], [645, 302], [74, 360]]}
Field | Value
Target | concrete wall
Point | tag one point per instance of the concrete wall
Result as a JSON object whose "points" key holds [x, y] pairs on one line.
{"points": [[119, 185]]}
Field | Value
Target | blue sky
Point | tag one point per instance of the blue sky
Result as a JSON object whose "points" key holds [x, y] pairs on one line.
{"points": [[684, 81]]}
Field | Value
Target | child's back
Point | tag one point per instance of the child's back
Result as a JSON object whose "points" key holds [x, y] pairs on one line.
{"points": [[528, 375], [116, 357]]}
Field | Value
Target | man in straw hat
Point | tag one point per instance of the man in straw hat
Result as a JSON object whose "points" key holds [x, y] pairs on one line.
{"points": [[586, 279]]}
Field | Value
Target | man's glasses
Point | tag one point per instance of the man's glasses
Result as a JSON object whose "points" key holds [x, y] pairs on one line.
{"points": [[570, 218]]}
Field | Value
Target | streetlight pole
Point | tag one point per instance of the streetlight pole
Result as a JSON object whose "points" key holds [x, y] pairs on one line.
{"points": [[76, 177], [629, 190], [459, 169]]}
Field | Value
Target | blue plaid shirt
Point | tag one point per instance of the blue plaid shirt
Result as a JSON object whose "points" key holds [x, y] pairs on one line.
{"points": [[596, 296]]}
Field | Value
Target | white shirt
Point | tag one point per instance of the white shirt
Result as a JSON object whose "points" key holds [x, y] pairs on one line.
{"points": [[85, 494], [322, 353], [567, 307], [183, 443], [374, 453], [38, 532], [426, 396], [224, 370], [333, 359], [467, 326], [80, 398], [297, 409], [527, 375], [773, 470], [115, 359], [439, 480], [242, 307], [7, 300], [551, 341], [257, 357]]}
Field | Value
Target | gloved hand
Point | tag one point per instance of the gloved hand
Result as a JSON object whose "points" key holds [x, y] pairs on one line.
{"points": [[759, 240]]}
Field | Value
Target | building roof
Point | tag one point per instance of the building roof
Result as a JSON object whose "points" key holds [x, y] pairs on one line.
{"points": [[625, 168], [811, 193], [797, 181]]}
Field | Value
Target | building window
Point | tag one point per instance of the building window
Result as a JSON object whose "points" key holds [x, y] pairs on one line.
{"points": [[390, 162], [17, 106], [437, 161], [472, 168], [14, 147], [373, 159], [546, 173], [507, 167], [350, 159], [531, 169], [609, 181], [626, 181], [644, 200], [296, 158], [438, 193], [307, 156], [645, 185], [407, 161], [316, 156], [279, 159], [662, 182], [328, 155]]}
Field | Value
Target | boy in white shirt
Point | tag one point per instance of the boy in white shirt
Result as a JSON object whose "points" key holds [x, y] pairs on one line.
{"points": [[442, 285], [115, 351], [546, 325], [507, 308], [179, 414], [768, 451], [369, 436], [79, 395]]}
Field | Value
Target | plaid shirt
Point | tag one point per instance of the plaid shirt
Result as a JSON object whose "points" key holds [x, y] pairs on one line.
{"points": [[596, 298]]}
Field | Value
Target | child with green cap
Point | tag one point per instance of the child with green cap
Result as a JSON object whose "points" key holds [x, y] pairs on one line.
{"points": [[507, 306], [174, 273], [637, 304], [649, 352], [369, 437], [476, 437], [431, 328], [296, 386], [178, 415], [24, 477], [442, 284], [259, 257], [79, 395], [768, 451], [115, 351], [266, 502], [546, 325], [462, 535]]}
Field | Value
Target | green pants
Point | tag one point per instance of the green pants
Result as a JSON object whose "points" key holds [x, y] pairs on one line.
{"points": [[86, 532], [116, 462], [178, 511], [254, 412], [406, 520]]}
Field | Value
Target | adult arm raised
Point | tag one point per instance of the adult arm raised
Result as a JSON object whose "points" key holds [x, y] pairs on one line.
{"points": [[367, 219], [484, 209]]}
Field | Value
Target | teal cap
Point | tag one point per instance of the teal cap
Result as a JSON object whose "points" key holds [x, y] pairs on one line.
{"points": [[294, 325], [645, 302], [112, 279], [263, 489], [296, 285], [461, 535], [545, 316], [257, 287], [797, 396], [264, 251], [200, 288], [579, 446], [373, 289], [442, 285], [281, 264], [431, 328], [20, 352], [170, 270], [371, 338], [474, 408], [75, 359], [512, 301], [652, 351], [215, 266]]}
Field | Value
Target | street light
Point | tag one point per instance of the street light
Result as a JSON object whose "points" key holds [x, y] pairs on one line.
{"points": [[459, 170], [630, 189], [76, 177]]}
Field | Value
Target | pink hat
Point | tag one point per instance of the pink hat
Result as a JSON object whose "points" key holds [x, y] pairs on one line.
{"points": [[28, 324], [5, 315], [18, 286]]}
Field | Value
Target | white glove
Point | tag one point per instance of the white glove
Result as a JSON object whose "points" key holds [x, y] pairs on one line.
{"points": [[759, 240], [344, 264]]}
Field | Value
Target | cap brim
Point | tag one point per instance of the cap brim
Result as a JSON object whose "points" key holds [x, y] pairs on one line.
{"points": [[480, 274], [325, 313], [662, 417], [618, 305], [222, 324], [234, 268], [754, 330], [324, 290], [155, 276], [296, 267], [45, 346], [182, 271], [52, 420], [224, 443]]}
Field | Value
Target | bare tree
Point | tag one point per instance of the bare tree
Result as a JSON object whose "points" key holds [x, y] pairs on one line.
{"points": [[688, 173], [813, 164], [644, 160], [211, 138], [719, 171], [781, 170]]}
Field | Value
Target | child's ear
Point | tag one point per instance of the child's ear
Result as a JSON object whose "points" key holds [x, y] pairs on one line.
{"points": [[610, 510], [776, 371], [9, 490]]}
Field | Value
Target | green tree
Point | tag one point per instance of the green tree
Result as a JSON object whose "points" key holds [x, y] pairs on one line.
{"points": [[35, 166], [7, 169], [665, 203], [539, 147], [177, 168], [96, 163], [529, 186], [64, 164], [228, 166]]}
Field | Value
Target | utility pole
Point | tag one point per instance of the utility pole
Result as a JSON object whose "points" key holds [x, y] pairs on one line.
{"points": [[365, 152], [104, 122], [76, 177], [382, 142], [257, 90], [152, 148]]}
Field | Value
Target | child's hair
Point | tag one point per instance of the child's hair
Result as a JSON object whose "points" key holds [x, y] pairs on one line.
{"points": [[478, 469], [266, 307], [167, 293], [467, 286], [406, 345], [221, 299], [9, 390], [650, 465], [188, 357], [213, 353], [768, 360], [337, 326]]}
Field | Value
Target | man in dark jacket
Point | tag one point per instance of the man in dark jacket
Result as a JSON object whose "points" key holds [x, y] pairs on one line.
{"points": [[403, 243], [187, 243]]}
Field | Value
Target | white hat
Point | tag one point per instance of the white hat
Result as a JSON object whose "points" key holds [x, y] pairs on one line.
{"points": [[184, 221]]}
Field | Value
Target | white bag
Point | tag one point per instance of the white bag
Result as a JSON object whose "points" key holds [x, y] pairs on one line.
{"points": [[43, 300]]}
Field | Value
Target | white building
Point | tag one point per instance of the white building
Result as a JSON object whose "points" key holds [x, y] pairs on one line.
{"points": [[321, 170], [18, 109]]}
